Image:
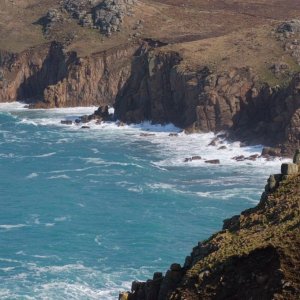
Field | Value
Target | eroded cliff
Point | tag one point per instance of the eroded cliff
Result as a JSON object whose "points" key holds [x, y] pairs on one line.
{"points": [[255, 256], [255, 104], [49, 76]]}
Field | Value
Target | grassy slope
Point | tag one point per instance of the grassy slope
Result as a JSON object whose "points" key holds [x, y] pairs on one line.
{"points": [[273, 224]]}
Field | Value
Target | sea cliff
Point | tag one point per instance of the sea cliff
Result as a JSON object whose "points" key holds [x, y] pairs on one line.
{"points": [[255, 255], [48, 76]]}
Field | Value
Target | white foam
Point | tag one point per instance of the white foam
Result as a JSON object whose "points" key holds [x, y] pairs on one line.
{"points": [[62, 219], [12, 106], [63, 176], [12, 226], [32, 175], [8, 269], [58, 269], [98, 240]]}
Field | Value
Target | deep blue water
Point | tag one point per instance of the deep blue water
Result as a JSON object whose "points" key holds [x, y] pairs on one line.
{"points": [[85, 212]]}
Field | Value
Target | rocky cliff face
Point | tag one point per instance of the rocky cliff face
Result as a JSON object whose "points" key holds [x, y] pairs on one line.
{"points": [[51, 77], [160, 90], [255, 256]]}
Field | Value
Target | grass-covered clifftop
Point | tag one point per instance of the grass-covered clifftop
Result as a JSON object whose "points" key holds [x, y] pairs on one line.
{"points": [[255, 256]]}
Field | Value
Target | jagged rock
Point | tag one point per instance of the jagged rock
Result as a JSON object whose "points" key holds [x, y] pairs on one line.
{"points": [[101, 114], [289, 169]]}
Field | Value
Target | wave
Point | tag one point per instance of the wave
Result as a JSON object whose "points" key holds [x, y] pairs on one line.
{"points": [[62, 219], [45, 155], [12, 226], [63, 176]]}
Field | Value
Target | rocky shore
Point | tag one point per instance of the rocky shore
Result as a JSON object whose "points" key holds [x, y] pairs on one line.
{"points": [[255, 256], [145, 80]]}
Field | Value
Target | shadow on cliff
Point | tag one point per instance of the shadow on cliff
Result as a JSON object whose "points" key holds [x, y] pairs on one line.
{"points": [[148, 94], [53, 69], [252, 276]]}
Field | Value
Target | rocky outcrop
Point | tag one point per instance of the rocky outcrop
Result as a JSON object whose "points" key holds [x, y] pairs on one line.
{"points": [[255, 256], [48, 76], [105, 15], [161, 90], [292, 26]]}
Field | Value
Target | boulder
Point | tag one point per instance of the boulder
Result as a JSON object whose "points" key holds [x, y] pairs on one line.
{"points": [[196, 157], [289, 169]]}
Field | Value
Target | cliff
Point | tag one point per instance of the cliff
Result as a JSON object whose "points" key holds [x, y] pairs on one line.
{"points": [[255, 103], [255, 256], [48, 76]]}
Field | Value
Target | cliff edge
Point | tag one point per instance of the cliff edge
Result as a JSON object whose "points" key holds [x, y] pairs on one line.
{"points": [[255, 256]]}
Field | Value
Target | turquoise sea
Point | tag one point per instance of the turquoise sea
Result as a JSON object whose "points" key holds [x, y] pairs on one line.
{"points": [[86, 211]]}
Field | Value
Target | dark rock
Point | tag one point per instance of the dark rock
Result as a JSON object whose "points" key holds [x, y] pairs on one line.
{"points": [[66, 122], [102, 114], [213, 161], [214, 142], [173, 134], [85, 119], [239, 158], [196, 157], [192, 158], [85, 127], [222, 148], [147, 134]]}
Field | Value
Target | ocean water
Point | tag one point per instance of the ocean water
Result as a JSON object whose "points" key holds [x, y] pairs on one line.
{"points": [[86, 211]]}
